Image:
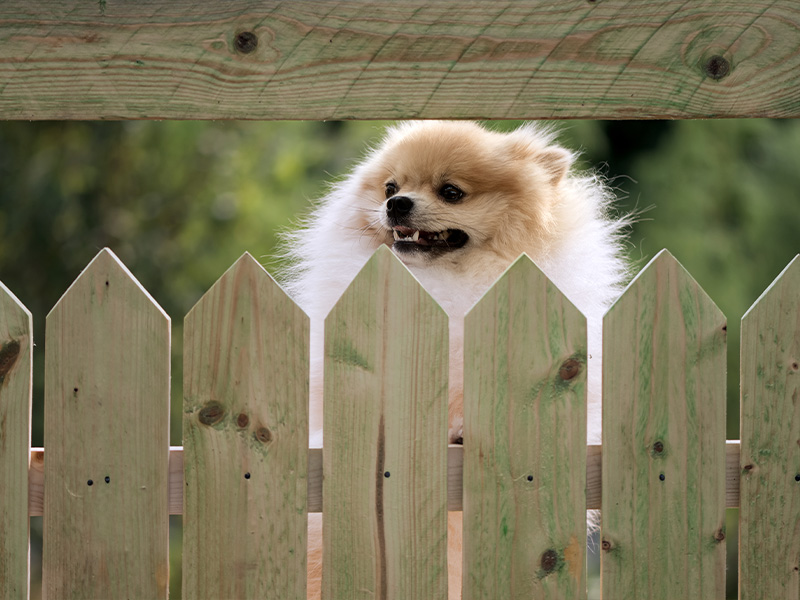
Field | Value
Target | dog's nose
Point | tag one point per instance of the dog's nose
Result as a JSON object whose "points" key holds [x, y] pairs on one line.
{"points": [[399, 206]]}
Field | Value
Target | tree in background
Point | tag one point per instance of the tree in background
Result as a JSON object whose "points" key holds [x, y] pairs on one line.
{"points": [[179, 202]]}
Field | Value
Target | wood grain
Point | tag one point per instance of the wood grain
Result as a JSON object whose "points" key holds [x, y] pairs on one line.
{"points": [[106, 417], [16, 356], [245, 440], [455, 458], [769, 528], [663, 520], [525, 441], [326, 59], [385, 421]]}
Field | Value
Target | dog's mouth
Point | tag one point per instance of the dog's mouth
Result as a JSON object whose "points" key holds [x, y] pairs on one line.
{"points": [[408, 239]]}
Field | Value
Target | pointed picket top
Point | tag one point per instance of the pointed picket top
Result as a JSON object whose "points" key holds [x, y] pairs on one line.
{"points": [[770, 428], [385, 420], [664, 437], [246, 268], [525, 430], [16, 354], [107, 374], [103, 269], [11, 305], [245, 433], [662, 265], [384, 265], [524, 269], [786, 283]]}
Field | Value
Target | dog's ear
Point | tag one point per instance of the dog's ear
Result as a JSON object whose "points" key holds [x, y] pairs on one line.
{"points": [[556, 162], [531, 145]]}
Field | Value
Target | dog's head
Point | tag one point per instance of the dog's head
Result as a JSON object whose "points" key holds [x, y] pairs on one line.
{"points": [[447, 189]]}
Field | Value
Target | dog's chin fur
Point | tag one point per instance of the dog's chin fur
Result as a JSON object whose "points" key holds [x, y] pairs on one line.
{"points": [[520, 195]]}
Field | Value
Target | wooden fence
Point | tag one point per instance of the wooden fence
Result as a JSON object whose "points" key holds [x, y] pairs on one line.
{"points": [[245, 478], [243, 482]]}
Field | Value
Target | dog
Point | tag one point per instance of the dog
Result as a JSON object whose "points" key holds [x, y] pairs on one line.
{"points": [[458, 203]]}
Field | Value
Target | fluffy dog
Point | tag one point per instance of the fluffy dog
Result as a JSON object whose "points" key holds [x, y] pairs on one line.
{"points": [[457, 203]]}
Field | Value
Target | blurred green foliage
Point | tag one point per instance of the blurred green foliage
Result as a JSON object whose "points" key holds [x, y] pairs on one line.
{"points": [[179, 202]]}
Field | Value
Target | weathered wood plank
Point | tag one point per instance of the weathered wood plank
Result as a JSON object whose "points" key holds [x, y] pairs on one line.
{"points": [[769, 527], [16, 355], [663, 518], [385, 458], [525, 448], [107, 365], [326, 59], [455, 457], [245, 440]]}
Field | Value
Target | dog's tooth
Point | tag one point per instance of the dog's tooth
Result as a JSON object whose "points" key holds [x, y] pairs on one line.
{"points": [[415, 237], [444, 234], [396, 235]]}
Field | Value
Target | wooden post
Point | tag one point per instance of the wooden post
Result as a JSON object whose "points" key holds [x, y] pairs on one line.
{"points": [[16, 355], [663, 533], [107, 437], [769, 527], [245, 440], [385, 456], [524, 441]]}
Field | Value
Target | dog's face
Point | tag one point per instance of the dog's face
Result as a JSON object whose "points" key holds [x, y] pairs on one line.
{"points": [[447, 190]]}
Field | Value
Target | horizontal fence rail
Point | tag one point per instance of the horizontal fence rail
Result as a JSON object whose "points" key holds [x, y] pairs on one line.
{"points": [[322, 59], [455, 462], [245, 479]]}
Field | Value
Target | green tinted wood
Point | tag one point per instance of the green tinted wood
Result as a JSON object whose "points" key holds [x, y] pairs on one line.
{"points": [[16, 354], [385, 458], [663, 506], [106, 422], [326, 59], [245, 440], [769, 529], [525, 441]]}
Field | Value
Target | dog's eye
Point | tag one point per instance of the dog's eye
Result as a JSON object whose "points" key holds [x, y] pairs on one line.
{"points": [[451, 193], [391, 189]]}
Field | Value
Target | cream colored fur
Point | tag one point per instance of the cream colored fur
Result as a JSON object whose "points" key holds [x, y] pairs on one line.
{"points": [[521, 195]]}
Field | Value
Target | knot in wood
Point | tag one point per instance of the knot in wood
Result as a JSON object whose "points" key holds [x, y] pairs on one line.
{"points": [[720, 535], [242, 420], [8, 357], [549, 560], [658, 447], [212, 413], [717, 67], [569, 369], [245, 42], [263, 435], [606, 545]]}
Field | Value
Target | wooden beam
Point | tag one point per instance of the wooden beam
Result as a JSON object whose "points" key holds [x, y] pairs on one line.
{"points": [[455, 457], [326, 59]]}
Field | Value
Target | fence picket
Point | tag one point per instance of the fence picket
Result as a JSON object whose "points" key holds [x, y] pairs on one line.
{"points": [[245, 440], [16, 354], [107, 436], [769, 529], [663, 439], [525, 441], [385, 455]]}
